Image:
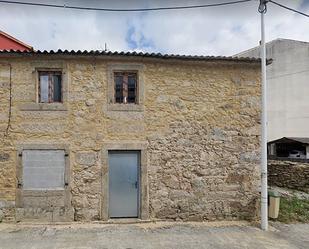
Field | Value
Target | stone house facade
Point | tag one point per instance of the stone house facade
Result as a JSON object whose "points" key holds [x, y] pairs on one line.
{"points": [[190, 126]]}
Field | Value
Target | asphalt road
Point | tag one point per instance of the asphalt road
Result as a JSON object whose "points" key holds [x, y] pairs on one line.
{"points": [[230, 235]]}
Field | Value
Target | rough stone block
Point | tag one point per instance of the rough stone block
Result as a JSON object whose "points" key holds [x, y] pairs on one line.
{"points": [[4, 156], [86, 158], [6, 204]]}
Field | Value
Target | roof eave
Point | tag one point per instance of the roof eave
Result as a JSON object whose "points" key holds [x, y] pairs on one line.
{"points": [[130, 54]]}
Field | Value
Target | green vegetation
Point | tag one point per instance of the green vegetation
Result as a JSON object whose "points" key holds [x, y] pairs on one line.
{"points": [[293, 210]]}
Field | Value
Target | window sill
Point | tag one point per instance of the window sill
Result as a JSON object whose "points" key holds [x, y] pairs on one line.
{"points": [[43, 107], [125, 107], [45, 192]]}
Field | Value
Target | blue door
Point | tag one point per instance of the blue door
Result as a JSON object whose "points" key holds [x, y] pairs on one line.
{"points": [[123, 183]]}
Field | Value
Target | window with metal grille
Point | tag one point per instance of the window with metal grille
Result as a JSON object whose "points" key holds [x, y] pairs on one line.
{"points": [[50, 87], [125, 87]]}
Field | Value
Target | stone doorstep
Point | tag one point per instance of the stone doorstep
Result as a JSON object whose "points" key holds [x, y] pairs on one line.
{"points": [[124, 221]]}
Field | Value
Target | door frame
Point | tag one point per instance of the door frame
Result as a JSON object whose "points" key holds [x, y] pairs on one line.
{"points": [[143, 204]]}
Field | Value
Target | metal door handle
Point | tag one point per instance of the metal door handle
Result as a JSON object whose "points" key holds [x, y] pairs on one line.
{"points": [[19, 184], [136, 184]]}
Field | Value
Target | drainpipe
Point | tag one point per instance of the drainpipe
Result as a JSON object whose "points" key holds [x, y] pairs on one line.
{"points": [[264, 194]]}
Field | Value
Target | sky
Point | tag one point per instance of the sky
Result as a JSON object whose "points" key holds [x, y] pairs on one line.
{"points": [[224, 30]]}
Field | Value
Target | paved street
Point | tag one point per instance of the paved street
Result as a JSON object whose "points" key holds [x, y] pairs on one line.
{"points": [[230, 235]]}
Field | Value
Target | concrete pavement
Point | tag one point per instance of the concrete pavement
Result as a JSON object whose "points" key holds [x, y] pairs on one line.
{"points": [[229, 235]]}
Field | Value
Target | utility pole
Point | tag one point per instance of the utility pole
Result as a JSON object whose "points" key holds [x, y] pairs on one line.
{"points": [[264, 191]]}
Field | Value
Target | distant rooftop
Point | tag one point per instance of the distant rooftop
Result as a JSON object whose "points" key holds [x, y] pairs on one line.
{"points": [[304, 140], [271, 42], [8, 42]]}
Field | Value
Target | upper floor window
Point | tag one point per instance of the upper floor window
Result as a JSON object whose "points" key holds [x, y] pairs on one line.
{"points": [[50, 86], [125, 87]]}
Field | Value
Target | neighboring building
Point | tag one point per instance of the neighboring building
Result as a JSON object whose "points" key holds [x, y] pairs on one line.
{"points": [[289, 147], [287, 87], [99, 135], [8, 42]]}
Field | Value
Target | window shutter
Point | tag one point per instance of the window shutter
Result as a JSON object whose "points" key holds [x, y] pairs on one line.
{"points": [[50, 88], [125, 88], [43, 169]]}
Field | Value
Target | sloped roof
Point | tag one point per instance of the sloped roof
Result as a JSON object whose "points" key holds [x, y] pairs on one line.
{"points": [[9, 37], [133, 54], [304, 140]]}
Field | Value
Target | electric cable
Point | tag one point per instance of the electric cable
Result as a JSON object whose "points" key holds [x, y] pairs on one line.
{"points": [[8, 126], [288, 8], [10, 104], [126, 10]]}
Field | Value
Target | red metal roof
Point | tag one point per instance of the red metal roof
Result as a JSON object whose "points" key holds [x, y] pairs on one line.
{"points": [[8, 42]]}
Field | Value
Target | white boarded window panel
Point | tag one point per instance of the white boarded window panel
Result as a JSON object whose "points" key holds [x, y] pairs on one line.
{"points": [[43, 169]]}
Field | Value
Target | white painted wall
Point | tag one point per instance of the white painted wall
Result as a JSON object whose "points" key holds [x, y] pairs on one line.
{"points": [[288, 87]]}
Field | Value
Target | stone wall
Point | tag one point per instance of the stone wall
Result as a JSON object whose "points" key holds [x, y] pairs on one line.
{"points": [[200, 121], [289, 174]]}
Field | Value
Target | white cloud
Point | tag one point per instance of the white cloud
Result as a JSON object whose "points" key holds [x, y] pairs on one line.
{"points": [[213, 31], [224, 30], [49, 28]]}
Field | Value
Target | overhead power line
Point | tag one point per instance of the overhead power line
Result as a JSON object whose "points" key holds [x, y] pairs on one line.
{"points": [[126, 10], [288, 8], [64, 6]]}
